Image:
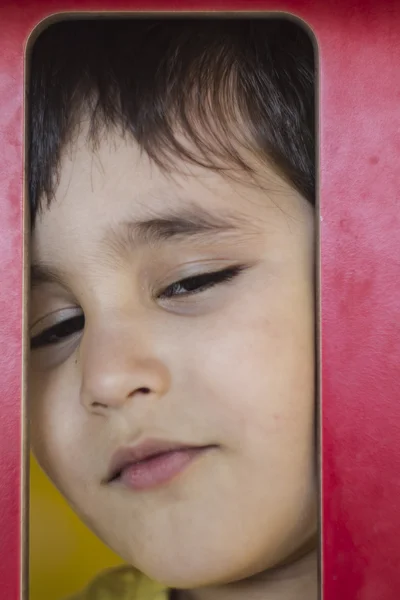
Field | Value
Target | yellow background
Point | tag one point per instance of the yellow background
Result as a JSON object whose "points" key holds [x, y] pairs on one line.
{"points": [[64, 555]]}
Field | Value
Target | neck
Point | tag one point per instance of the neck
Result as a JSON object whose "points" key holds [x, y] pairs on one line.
{"points": [[297, 580]]}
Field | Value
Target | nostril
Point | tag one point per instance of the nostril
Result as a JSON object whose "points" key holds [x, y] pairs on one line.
{"points": [[99, 405], [143, 390]]}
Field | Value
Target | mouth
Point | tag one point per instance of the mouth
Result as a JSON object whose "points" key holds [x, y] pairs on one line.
{"points": [[152, 463]]}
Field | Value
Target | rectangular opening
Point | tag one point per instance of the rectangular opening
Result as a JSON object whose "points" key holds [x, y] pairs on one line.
{"points": [[173, 380]]}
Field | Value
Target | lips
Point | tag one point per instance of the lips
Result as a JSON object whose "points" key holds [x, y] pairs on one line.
{"points": [[151, 463]]}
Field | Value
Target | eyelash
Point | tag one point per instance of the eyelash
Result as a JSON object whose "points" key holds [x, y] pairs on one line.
{"points": [[197, 284], [200, 283], [55, 334]]}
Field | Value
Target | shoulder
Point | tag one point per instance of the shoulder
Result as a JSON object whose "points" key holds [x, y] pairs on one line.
{"points": [[124, 583]]}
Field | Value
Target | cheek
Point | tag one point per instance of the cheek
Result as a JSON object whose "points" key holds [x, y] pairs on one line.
{"points": [[55, 422], [257, 368]]}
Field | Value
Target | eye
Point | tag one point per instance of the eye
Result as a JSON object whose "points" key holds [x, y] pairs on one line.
{"points": [[59, 332], [200, 283]]}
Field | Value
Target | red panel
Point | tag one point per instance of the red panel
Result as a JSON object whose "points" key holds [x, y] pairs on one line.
{"points": [[359, 44]]}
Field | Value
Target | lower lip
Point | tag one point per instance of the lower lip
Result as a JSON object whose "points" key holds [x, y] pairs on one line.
{"points": [[159, 470]]}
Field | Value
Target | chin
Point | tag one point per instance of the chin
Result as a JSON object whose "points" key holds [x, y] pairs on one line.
{"points": [[201, 571]]}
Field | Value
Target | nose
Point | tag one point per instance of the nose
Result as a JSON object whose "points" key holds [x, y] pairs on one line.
{"points": [[118, 367]]}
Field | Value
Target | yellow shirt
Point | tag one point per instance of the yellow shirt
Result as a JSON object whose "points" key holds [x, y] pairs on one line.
{"points": [[124, 583]]}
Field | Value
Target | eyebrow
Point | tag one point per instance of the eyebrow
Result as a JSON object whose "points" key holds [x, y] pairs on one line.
{"points": [[193, 222], [42, 274]]}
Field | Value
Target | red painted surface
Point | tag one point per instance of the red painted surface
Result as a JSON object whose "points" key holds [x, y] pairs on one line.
{"points": [[359, 44]]}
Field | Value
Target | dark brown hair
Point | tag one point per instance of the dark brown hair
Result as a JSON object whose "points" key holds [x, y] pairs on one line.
{"points": [[223, 85]]}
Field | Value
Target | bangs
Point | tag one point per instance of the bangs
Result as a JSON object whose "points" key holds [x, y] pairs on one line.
{"points": [[205, 91]]}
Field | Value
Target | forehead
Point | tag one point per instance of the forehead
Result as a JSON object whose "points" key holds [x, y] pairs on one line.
{"points": [[115, 182]]}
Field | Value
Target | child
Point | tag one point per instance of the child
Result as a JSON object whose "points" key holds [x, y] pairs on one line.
{"points": [[172, 393]]}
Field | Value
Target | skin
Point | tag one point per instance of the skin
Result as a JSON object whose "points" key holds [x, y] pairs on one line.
{"points": [[232, 366]]}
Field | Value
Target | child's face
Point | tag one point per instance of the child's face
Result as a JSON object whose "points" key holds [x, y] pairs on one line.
{"points": [[231, 366]]}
